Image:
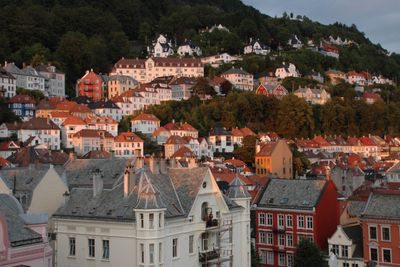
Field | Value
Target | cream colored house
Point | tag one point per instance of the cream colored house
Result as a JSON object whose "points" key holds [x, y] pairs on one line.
{"points": [[118, 84], [239, 78], [155, 217], [87, 140], [313, 96]]}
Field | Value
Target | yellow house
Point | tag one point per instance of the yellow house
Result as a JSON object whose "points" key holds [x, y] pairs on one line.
{"points": [[274, 158]]}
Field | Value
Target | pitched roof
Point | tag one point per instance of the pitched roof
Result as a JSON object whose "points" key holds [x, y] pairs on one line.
{"points": [[25, 99], [237, 189], [39, 124], [102, 104], [100, 120], [96, 154], [145, 117], [267, 148], [183, 152], [235, 71], [176, 140], [382, 206], [91, 133], [355, 234], [292, 194], [73, 120], [31, 155], [127, 137]]}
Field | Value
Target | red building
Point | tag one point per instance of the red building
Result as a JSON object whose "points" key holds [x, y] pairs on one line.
{"points": [[380, 223], [90, 85], [290, 210]]}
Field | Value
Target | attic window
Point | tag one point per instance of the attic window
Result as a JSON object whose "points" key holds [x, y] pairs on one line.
{"points": [[284, 200], [271, 200], [305, 202], [109, 212], [29, 180]]}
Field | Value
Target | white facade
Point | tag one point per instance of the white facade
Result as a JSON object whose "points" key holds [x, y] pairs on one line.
{"points": [[144, 126], [240, 79], [221, 143], [217, 60], [287, 70], [68, 131], [8, 83], [189, 49], [257, 48], [27, 77], [161, 47], [54, 80]]}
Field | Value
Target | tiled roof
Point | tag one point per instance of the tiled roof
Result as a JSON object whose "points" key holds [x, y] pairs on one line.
{"points": [[91, 133], [292, 194], [145, 117], [130, 63], [39, 124], [103, 104], [100, 120], [183, 152], [176, 140], [267, 149], [382, 206], [30, 155], [73, 120], [25, 99], [235, 71], [127, 137]]}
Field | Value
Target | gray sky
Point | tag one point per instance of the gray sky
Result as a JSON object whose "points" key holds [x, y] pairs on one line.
{"points": [[378, 19]]}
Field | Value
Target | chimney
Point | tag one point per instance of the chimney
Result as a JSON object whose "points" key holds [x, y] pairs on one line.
{"points": [[66, 197], [129, 182], [153, 165], [97, 182], [192, 163], [112, 154], [163, 166], [72, 156], [139, 162]]}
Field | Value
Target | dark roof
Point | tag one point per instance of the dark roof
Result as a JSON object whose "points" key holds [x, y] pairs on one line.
{"points": [[218, 130], [39, 124], [31, 155], [5, 74], [235, 71], [292, 194], [18, 234], [96, 154], [85, 100], [237, 189], [355, 234], [103, 104], [382, 206]]}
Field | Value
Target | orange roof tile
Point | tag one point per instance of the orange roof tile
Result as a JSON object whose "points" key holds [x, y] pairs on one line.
{"points": [[145, 117], [128, 137], [183, 152], [73, 120]]}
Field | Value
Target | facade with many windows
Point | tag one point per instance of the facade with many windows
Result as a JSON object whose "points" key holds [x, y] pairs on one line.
{"points": [[381, 229], [155, 217], [289, 211]]}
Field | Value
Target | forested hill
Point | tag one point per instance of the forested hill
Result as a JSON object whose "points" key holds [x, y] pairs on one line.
{"points": [[76, 35]]}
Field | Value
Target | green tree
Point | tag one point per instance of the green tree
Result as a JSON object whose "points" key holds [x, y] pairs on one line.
{"points": [[300, 162], [246, 151], [307, 254]]}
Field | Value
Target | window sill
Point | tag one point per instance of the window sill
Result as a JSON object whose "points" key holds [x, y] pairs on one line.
{"points": [[175, 259], [90, 259], [105, 260], [71, 257]]}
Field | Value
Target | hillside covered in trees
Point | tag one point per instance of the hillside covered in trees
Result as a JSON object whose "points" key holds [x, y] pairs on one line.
{"points": [[76, 35]]}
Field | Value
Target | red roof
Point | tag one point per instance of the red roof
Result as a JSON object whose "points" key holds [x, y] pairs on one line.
{"points": [[321, 141], [145, 117], [235, 162], [366, 141], [73, 120], [5, 146], [4, 163], [127, 137], [261, 90], [100, 120], [371, 95], [39, 124], [24, 99], [176, 140], [90, 133], [183, 152]]}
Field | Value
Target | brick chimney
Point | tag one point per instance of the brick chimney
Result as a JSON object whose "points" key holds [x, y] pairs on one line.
{"points": [[129, 181], [154, 165], [97, 182]]}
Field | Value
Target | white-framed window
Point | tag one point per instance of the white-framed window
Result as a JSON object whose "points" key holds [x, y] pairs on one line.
{"points": [[373, 253], [91, 248], [151, 253], [387, 255], [263, 256], [262, 237], [373, 233], [281, 259], [72, 246], [106, 249], [289, 221], [335, 249], [160, 255], [289, 240], [281, 220], [300, 222], [270, 257], [269, 219], [175, 248], [281, 240], [191, 243], [141, 252], [270, 238], [345, 251], [385, 233], [261, 218], [310, 223], [290, 260]]}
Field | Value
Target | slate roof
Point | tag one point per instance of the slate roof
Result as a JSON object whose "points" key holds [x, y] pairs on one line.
{"points": [[96, 154], [39, 124], [237, 189], [355, 234], [103, 104], [235, 71], [292, 194], [18, 234], [382, 206], [78, 172], [25, 99]]}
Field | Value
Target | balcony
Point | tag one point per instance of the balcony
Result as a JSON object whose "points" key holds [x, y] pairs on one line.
{"points": [[279, 229], [205, 257]]}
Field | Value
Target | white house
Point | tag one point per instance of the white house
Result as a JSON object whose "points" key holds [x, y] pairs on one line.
{"points": [[102, 123], [188, 48], [217, 60], [145, 123], [8, 83], [286, 70], [69, 127], [239, 78], [295, 42], [221, 140], [43, 130], [128, 145], [27, 77], [106, 108], [347, 245], [8, 129], [256, 47], [161, 47], [54, 80], [155, 217]]}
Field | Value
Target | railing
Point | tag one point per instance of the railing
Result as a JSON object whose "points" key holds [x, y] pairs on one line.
{"points": [[212, 223], [209, 255]]}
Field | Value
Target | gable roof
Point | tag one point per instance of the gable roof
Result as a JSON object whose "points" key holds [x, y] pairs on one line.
{"points": [[292, 194], [73, 120], [145, 117], [127, 137], [235, 71], [176, 140], [382, 206], [25, 99], [91, 133], [39, 124], [31, 155], [183, 152]]}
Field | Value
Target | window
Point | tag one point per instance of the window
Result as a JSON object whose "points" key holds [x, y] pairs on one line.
{"points": [[151, 220], [160, 220], [309, 222], [345, 251], [106, 249], [372, 233], [346, 264], [281, 220], [175, 247], [142, 253], [387, 255], [290, 260], [191, 241], [261, 237], [289, 221], [281, 240], [300, 221], [373, 254], [91, 245], [204, 241], [151, 253], [159, 252], [263, 256], [72, 246], [289, 240], [270, 257], [261, 218], [385, 233], [270, 238], [281, 259], [269, 219], [141, 220], [335, 249], [354, 265]]}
